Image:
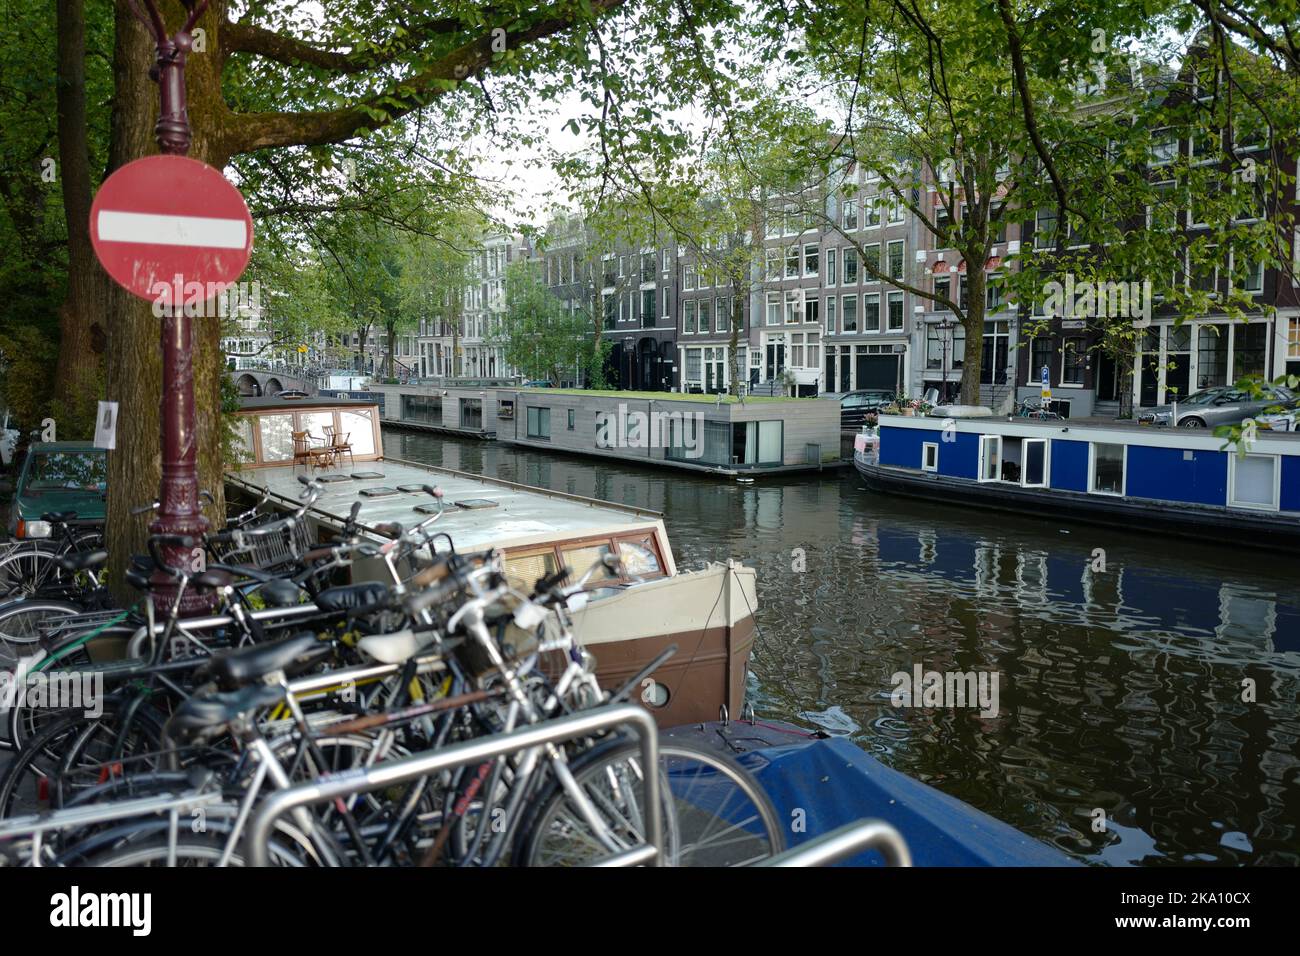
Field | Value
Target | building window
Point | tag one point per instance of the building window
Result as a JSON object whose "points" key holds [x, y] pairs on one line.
{"points": [[850, 257], [792, 262], [1040, 357], [1107, 471], [896, 259], [647, 308], [688, 317], [1045, 229], [870, 312], [871, 260], [794, 307], [811, 259], [942, 287], [773, 255], [930, 456], [993, 358], [812, 310], [723, 314], [689, 278], [667, 264], [993, 294], [830, 324], [1253, 482], [704, 316], [1293, 339], [1074, 359], [573, 415], [850, 214], [830, 262], [895, 312], [774, 308], [471, 413], [849, 313], [896, 208], [1164, 147]]}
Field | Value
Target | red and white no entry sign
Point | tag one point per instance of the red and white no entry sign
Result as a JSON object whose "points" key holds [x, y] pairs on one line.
{"points": [[167, 226]]}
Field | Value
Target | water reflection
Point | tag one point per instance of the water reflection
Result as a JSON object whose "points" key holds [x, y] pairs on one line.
{"points": [[1123, 660]]}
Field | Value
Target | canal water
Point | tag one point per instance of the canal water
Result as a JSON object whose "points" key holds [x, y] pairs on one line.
{"points": [[1146, 686]]}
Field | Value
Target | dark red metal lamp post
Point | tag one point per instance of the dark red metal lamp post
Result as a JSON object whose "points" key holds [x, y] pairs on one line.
{"points": [[178, 498]]}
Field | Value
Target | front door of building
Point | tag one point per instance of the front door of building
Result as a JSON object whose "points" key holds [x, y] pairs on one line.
{"points": [[775, 360]]}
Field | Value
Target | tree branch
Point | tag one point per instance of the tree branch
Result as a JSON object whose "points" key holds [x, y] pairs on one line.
{"points": [[271, 130]]}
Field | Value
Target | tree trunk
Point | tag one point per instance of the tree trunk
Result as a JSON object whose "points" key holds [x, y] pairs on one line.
{"points": [[78, 374], [134, 376], [974, 326]]}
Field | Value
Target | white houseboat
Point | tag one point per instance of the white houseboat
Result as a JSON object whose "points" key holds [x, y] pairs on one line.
{"points": [[708, 613]]}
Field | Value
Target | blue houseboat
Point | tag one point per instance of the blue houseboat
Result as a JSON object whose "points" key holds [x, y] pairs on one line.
{"points": [[1176, 481]]}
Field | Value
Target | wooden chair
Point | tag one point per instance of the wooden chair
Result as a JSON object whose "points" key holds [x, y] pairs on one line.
{"points": [[339, 444], [304, 452]]}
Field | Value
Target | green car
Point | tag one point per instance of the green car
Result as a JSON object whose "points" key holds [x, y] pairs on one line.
{"points": [[59, 476]]}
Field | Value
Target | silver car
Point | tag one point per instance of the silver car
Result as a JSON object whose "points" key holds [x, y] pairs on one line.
{"points": [[1222, 405]]}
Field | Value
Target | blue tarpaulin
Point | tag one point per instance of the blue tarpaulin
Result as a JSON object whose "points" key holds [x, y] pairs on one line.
{"points": [[833, 782]]}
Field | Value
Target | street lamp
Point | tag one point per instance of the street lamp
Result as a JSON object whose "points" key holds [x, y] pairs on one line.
{"points": [[899, 349]]}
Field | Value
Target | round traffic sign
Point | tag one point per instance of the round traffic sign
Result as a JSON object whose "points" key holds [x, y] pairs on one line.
{"points": [[171, 230]]}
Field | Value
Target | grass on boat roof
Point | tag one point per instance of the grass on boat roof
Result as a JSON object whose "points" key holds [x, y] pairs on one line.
{"points": [[660, 396]]}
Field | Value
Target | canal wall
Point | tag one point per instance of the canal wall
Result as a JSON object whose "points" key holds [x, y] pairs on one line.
{"points": [[679, 432]]}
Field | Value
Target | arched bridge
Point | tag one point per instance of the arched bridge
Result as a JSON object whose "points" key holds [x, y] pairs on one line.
{"points": [[253, 381]]}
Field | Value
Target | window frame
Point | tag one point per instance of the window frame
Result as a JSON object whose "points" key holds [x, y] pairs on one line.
{"points": [[1047, 463], [985, 441], [928, 447], [1276, 503], [1092, 470]]}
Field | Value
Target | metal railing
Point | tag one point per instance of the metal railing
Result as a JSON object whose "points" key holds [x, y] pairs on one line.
{"points": [[843, 842], [476, 751]]}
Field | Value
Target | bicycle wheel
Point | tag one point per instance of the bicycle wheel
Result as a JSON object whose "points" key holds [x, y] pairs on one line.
{"points": [[76, 752], [20, 622], [24, 571], [188, 850], [24, 722], [715, 814]]}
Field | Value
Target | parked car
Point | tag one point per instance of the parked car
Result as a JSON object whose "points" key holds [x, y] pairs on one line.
{"points": [[855, 405], [1284, 419], [59, 476], [1222, 405]]}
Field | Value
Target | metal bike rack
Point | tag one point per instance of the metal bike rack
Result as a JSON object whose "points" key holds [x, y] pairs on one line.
{"points": [[844, 842], [476, 751]]}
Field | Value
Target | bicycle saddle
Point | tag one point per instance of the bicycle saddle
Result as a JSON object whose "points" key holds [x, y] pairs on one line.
{"points": [[280, 593], [368, 596], [81, 562], [245, 665], [58, 517], [211, 580], [210, 715], [396, 647]]}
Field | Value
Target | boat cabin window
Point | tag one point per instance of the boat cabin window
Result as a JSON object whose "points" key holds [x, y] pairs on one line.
{"points": [[523, 570], [1024, 461], [357, 429], [990, 458], [1107, 472], [639, 557], [581, 559], [1254, 482], [930, 456], [1033, 463], [638, 550]]}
